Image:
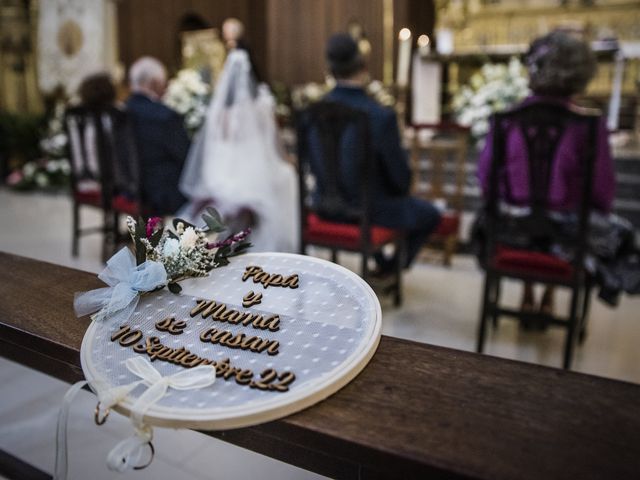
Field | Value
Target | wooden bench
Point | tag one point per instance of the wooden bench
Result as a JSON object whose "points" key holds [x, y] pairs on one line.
{"points": [[416, 411]]}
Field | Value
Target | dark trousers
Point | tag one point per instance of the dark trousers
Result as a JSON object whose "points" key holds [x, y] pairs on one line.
{"points": [[417, 217]]}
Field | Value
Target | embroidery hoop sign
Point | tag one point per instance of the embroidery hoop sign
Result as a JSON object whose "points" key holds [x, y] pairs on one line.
{"points": [[328, 330]]}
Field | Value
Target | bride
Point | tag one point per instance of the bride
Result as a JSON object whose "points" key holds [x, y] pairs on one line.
{"points": [[234, 163]]}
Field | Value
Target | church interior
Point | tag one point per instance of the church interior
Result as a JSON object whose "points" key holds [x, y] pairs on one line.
{"points": [[444, 70]]}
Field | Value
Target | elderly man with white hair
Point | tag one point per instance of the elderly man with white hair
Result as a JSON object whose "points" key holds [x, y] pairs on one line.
{"points": [[161, 138]]}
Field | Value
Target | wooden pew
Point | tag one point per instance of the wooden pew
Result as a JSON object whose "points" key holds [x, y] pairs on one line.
{"points": [[416, 411]]}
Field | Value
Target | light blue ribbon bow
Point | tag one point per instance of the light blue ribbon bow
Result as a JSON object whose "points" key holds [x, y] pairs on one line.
{"points": [[126, 281]]}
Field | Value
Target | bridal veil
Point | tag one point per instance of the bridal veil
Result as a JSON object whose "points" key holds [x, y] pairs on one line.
{"points": [[234, 163]]}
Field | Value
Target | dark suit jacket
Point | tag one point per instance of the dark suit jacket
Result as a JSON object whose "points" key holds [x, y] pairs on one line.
{"points": [[163, 145], [393, 173]]}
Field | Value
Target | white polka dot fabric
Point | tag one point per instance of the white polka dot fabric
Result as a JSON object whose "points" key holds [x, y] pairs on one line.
{"points": [[328, 325]]}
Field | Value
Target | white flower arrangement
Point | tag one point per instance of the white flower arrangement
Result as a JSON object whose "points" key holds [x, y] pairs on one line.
{"points": [[53, 170], [493, 88], [381, 93], [185, 251], [309, 93], [188, 95], [312, 92]]}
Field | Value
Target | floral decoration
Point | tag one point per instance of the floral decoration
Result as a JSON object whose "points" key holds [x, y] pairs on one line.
{"points": [[493, 88], [53, 169], [312, 92], [185, 251], [188, 95]]}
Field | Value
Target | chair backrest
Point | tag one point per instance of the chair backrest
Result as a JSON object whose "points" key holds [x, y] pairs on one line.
{"points": [[103, 152], [334, 149], [542, 126]]}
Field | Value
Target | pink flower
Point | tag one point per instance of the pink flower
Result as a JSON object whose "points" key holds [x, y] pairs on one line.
{"points": [[15, 178], [237, 238], [152, 225]]}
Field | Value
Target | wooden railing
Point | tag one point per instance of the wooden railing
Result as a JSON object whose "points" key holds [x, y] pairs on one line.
{"points": [[416, 411]]}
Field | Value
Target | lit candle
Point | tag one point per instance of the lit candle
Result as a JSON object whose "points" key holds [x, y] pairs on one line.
{"points": [[404, 57], [424, 45]]}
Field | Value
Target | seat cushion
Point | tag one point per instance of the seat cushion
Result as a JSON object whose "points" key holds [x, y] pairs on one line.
{"points": [[88, 197], [343, 235], [122, 204], [528, 262], [449, 224]]}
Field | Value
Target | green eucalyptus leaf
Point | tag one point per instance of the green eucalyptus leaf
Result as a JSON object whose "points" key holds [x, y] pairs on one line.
{"points": [[212, 212], [213, 223], [141, 252], [240, 249], [141, 228], [155, 238], [242, 246], [184, 222], [140, 233]]}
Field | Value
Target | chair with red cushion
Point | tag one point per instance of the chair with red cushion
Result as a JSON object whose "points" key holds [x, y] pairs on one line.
{"points": [[513, 228], [334, 213], [104, 172]]}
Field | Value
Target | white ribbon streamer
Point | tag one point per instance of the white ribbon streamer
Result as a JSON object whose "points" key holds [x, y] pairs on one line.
{"points": [[126, 281], [127, 454], [189, 379], [61, 467]]}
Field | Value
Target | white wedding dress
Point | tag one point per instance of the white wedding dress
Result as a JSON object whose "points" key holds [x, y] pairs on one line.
{"points": [[234, 163]]}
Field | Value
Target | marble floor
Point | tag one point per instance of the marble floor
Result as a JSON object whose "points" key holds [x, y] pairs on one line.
{"points": [[441, 307]]}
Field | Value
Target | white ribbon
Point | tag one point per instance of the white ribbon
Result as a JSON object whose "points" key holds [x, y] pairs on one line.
{"points": [[61, 469], [126, 281], [127, 454], [189, 379]]}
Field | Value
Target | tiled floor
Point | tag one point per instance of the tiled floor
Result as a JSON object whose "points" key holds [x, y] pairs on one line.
{"points": [[441, 307]]}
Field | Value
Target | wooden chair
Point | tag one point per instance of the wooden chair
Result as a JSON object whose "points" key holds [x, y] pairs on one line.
{"points": [[335, 208], [438, 159], [104, 172], [542, 126]]}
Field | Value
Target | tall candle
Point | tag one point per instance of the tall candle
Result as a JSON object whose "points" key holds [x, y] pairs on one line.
{"points": [[424, 45], [404, 57]]}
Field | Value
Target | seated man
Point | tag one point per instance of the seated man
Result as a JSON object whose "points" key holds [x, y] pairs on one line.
{"points": [[161, 138], [392, 206]]}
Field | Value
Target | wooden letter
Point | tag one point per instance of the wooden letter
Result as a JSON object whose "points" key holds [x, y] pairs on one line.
{"points": [[250, 271], [244, 377], [201, 305], [123, 329], [170, 325], [251, 299]]}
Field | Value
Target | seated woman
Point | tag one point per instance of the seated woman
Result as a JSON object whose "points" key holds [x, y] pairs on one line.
{"points": [[560, 66], [101, 111]]}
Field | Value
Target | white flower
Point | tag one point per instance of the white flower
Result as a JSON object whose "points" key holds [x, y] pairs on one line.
{"points": [[374, 87], [51, 166], [491, 89], [59, 141], [189, 238], [65, 166], [41, 179], [29, 169], [171, 247], [187, 95]]}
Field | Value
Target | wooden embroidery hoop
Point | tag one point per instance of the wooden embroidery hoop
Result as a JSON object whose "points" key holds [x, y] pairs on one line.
{"points": [[281, 404]]}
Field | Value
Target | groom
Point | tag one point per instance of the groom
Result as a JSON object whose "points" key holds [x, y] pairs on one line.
{"points": [[392, 206], [161, 138]]}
